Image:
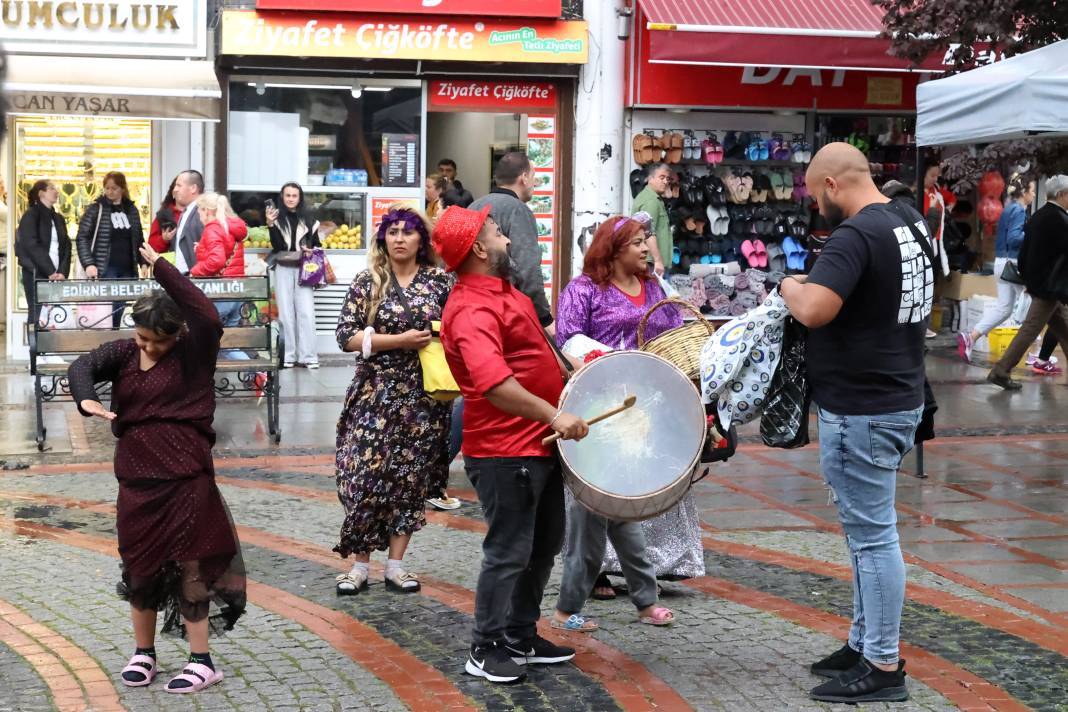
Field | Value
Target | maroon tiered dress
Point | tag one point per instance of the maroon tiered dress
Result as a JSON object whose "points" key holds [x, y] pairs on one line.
{"points": [[177, 541]]}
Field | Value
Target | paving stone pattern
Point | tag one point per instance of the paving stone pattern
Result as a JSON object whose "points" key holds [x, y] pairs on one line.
{"points": [[709, 657], [269, 661], [21, 688]]}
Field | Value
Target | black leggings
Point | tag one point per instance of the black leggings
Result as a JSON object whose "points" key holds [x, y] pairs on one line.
{"points": [[1049, 342]]}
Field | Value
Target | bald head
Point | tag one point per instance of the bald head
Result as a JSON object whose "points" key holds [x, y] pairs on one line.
{"points": [[839, 180]]}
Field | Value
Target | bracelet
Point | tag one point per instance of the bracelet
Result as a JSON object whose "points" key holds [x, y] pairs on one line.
{"points": [[367, 341], [558, 414]]}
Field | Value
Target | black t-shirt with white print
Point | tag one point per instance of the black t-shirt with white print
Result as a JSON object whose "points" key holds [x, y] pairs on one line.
{"points": [[870, 359]]}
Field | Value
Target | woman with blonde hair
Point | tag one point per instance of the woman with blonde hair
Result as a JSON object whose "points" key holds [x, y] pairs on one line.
{"points": [[392, 440], [221, 253], [436, 186]]}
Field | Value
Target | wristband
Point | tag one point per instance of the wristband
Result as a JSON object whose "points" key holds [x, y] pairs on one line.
{"points": [[558, 414], [367, 341]]}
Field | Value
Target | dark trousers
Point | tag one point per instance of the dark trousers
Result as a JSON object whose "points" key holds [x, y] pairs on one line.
{"points": [[1049, 343], [113, 272], [456, 431], [523, 504], [33, 309], [1043, 312]]}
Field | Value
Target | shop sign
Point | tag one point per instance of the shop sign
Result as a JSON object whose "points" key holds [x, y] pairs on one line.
{"points": [[298, 34], [799, 88], [481, 8], [121, 28], [380, 205], [130, 106], [463, 95]]}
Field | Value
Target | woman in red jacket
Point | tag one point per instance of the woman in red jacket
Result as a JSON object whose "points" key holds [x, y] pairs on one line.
{"points": [[221, 253], [165, 224]]}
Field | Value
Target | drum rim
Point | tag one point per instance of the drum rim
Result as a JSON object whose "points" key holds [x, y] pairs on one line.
{"points": [[687, 473]]}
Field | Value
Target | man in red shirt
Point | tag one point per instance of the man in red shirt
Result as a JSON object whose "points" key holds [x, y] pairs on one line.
{"points": [[510, 378]]}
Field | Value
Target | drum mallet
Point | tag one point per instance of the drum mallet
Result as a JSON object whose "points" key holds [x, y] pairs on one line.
{"points": [[631, 400]]}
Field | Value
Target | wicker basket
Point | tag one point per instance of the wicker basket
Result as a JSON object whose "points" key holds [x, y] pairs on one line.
{"points": [[681, 345]]}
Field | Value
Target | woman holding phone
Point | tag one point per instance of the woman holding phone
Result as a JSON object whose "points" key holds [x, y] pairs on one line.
{"points": [[293, 233]]}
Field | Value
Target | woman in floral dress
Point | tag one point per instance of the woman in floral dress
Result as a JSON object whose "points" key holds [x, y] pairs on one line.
{"points": [[392, 439]]}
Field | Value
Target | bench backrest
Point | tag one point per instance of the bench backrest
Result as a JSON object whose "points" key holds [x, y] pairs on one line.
{"points": [[78, 336]]}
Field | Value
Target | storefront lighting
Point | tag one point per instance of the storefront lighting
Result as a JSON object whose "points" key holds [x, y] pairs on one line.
{"points": [[353, 88], [357, 90], [261, 88]]}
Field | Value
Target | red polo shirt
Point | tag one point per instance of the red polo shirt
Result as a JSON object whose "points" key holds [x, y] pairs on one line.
{"points": [[490, 331]]}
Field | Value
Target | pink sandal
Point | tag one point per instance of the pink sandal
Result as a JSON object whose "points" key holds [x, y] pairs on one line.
{"points": [[660, 617], [142, 664], [199, 675]]}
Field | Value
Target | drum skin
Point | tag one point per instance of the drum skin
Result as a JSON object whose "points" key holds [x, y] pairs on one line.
{"points": [[639, 463]]}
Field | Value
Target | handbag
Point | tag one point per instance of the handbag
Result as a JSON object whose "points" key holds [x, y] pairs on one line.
{"points": [[784, 423], [79, 270], [1011, 274], [438, 381]]}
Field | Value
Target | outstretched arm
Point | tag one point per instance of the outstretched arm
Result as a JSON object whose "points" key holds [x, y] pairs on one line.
{"points": [[200, 314]]}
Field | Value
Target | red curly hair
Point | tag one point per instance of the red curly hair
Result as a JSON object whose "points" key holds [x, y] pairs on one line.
{"points": [[611, 238]]}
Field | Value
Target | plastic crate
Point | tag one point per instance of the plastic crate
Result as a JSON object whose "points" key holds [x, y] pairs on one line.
{"points": [[1000, 339]]}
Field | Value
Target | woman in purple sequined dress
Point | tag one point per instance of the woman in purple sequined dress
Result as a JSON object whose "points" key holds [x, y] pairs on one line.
{"points": [[605, 304]]}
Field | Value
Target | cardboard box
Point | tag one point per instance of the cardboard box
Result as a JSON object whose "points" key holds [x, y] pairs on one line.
{"points": [[963, 286]]}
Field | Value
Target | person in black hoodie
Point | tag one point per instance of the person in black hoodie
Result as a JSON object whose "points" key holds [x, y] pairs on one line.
{"points": [[110, 236], [41, 242], [293, 232]]}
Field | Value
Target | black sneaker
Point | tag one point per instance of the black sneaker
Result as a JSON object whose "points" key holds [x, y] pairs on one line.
{"points": [[837, 662], [1006, 382], [538, 651], [493, 663], [864, 683]]}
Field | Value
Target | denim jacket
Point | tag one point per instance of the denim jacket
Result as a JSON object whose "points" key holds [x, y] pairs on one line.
{"points": [[1010, 231]]}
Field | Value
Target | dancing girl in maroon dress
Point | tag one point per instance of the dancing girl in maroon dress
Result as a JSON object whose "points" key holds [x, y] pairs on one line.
{"points": [[178, 545]]}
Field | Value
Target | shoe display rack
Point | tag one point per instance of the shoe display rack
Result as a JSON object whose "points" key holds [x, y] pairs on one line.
{"points": [[740, 212], [889, 142]]}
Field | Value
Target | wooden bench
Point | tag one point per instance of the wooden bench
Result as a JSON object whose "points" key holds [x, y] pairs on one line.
{"points": [[61, 335]]}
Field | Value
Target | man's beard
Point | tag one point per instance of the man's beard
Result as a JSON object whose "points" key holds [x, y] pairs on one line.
{"points": [[832, 213], [502, 265]]}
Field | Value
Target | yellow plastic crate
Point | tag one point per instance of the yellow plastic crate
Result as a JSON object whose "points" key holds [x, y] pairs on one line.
{"points": [[1000, 339]]}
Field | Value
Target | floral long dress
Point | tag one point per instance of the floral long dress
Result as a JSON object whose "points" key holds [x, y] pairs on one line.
{"points": [[392, 439]]}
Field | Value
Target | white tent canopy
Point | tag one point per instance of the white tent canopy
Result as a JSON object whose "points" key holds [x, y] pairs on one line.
{"points": [[1023, 96]]}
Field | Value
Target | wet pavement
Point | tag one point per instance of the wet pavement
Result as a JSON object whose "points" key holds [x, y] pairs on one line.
{"points": [[985, 534]]}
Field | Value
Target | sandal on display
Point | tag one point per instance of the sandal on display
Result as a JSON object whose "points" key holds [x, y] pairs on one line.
{"points": [[199, 676], [640, 146], [351, 583], [144, 666], [674, 148], [575, 623], [659, 617], [760, 255]]}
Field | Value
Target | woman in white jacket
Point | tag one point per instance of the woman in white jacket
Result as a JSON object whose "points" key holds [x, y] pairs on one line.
{"points": [[294, 232]]}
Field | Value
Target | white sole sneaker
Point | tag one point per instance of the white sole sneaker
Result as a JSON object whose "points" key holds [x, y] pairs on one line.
{"points": [[472, 668]]}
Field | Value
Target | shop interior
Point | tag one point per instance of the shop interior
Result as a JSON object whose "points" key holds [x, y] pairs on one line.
{"points": [[476, 141]]}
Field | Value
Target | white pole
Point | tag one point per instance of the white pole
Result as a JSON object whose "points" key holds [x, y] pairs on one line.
{"points": [[598, 127]]}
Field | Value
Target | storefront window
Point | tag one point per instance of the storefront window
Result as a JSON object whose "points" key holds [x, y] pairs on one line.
{"points": [[76, 153], [324, 134]]}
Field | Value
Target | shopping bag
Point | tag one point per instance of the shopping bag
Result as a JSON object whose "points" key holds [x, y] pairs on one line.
{"points": [[438, 382], [328, 268], [312, 269], [784, 423]]}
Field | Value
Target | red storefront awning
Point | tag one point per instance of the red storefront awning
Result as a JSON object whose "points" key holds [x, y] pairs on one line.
{"points": [[825, 34]]}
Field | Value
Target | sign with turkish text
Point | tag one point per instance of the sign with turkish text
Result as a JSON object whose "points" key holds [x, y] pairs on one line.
{"points": [[35, 103], [120, 28], [380, 205], [84, 290], [481, 8], [399, 155], [797, 88], [474, 95], [300, 34]]}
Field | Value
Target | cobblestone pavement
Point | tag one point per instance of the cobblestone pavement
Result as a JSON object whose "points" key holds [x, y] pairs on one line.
{"points": [[985, 536]]}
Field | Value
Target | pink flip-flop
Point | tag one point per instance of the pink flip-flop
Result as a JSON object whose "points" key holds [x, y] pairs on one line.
{"points": [[201, 676], [143, 664], [661, 617]]}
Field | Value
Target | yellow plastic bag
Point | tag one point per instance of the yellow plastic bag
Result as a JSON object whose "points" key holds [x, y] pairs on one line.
{"points": [[437, 378]]}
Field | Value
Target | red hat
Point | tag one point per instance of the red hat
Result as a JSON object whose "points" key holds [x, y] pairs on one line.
{"points": [[456, 232]]}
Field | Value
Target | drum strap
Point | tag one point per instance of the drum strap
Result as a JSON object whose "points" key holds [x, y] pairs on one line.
{"points": [[566, 369]]}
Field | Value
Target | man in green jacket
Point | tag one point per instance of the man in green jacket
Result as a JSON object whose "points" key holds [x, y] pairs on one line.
{"points": [[656, 184]]}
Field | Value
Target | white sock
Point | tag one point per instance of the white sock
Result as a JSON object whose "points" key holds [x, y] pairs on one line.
{"points": [[393, 566], [359, 567]]}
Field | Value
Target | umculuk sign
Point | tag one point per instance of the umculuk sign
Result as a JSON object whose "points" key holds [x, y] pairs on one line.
{"points": [[483, 8]]}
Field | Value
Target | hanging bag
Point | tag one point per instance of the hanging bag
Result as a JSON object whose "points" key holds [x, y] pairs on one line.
{"points": [[312, 268], [1011, 274], [784, 422], [79, 271], [438, 382]]}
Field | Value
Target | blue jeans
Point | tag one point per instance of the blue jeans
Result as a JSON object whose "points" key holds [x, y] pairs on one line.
{"points": [[859, 456], [456, 431], [230, 315]]}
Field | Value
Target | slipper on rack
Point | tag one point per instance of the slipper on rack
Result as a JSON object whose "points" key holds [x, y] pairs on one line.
{"points": [[574, 623], [747, 253], [660, 617], [638, 145], [199, 676], [675, 147], [760, 255], [143, 665]]}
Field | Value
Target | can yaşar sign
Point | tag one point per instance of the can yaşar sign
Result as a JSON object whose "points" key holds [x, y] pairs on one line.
{"points": [[298, 34], [173, 28]]}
